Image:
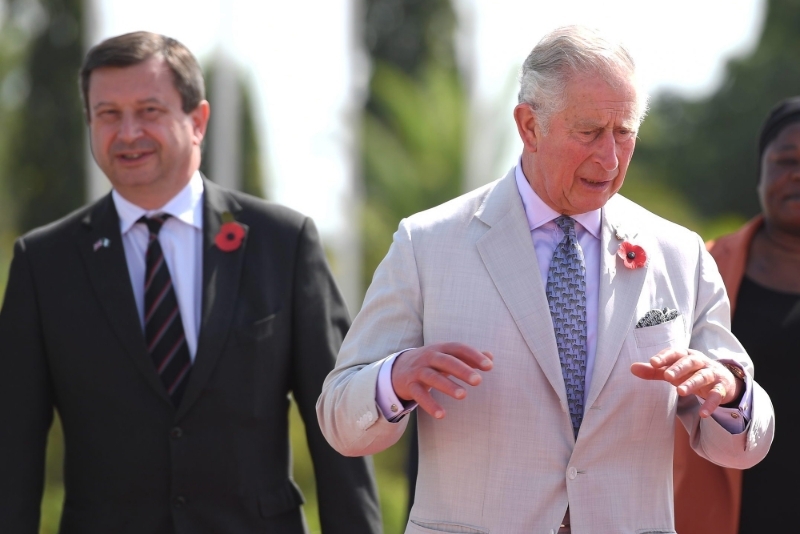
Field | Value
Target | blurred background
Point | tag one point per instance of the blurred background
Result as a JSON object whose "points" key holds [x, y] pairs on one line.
{"points": [[361, 112]]}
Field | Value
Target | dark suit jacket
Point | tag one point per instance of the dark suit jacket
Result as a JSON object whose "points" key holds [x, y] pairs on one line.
{"points": [[272, 322]]}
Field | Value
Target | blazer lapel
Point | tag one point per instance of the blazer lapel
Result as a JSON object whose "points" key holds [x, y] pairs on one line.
{"points": [[221, 278], [507, 252], [104, 257], [619, 293]]}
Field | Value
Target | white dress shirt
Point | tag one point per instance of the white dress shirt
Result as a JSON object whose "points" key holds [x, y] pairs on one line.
{"points": [[546, 236], [181, 239]]}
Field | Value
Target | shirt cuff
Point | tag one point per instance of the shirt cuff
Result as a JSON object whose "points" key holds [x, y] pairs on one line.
{"points": [[391, 406], [735, 420]]}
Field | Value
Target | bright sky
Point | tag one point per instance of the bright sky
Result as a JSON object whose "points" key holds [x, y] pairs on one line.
{"points": [[308, 74]]}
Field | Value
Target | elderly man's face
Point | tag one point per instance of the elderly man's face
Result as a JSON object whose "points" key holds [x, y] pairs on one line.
{"points": [[582, 160]]}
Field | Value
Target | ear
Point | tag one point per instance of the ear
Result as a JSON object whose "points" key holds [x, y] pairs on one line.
{"points": [[199, 117], [527, 126]]}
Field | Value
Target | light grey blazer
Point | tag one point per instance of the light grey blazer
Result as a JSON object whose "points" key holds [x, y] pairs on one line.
{"points": [[504, 459]]}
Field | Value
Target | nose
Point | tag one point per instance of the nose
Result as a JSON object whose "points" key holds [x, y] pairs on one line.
{"points": [[606, 151], [129, 128]]}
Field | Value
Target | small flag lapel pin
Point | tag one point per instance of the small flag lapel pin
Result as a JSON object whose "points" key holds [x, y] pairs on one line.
{"points": [[101, 243]]}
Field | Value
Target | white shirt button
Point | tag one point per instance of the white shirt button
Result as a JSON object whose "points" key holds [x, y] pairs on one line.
{"points": [[394, 408], [735, 415]]}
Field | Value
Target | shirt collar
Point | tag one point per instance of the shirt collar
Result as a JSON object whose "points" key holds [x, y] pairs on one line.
{"points": [[538, 213], [186, 206]]}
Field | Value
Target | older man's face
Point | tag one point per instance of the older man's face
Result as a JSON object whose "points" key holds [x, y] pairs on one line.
{"points": [[582, 160]]}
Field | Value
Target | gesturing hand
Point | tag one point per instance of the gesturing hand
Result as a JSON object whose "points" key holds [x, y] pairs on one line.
{"points": [[693, 373], [417, 371]]}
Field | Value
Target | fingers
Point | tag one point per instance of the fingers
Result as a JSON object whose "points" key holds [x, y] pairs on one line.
{"points": [[711, 403], [416, 372], [425, 401], [670, 365], [692, 373]]}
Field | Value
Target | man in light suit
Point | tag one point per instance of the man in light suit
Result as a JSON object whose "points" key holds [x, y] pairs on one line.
{"points": [[168, 323], [549, 331]]}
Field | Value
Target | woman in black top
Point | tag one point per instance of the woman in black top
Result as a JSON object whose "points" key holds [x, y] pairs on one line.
{"points": [[760, 265]]}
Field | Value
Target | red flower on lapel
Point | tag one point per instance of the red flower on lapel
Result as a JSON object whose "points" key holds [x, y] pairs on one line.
{"points": [[633, 256], [230, 234]]}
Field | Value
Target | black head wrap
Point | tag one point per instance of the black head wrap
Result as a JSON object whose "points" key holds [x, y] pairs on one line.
{"points": [[782, 115]]}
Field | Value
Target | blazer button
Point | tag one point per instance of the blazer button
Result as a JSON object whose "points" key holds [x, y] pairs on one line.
{"points": [[572, 473], [176, 433], [179, 502]]}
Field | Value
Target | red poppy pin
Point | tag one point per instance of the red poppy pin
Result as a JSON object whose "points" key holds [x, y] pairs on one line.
{"points": [[633, 256], [230, 234]]}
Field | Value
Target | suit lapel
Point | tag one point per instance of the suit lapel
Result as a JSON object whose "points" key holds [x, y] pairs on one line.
{"points": [[104, 257], [221, 277], [619, 293], [507, 252]]}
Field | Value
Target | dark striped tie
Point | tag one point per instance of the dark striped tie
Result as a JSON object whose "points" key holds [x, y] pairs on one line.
{"points": [[163, 328]]}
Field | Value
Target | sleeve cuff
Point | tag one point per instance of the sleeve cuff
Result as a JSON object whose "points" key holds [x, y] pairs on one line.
{"points": [[735, 420], [390, 405]]}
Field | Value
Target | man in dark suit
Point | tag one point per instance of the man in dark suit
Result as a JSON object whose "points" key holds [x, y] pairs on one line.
{"points": [[168, 323]]}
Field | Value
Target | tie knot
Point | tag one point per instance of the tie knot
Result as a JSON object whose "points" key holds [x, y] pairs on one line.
{"points": [[154, 223], [567, 225]]}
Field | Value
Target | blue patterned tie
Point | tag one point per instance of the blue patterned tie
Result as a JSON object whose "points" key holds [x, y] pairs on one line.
{"points": [[566, 293]]}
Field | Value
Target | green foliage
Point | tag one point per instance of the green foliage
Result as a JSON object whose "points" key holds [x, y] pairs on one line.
{"points": [[252, 176], [44, 173], [705, 151], [410, 33], [413, 157], [13, 91], [53, 499], [252, 170]]}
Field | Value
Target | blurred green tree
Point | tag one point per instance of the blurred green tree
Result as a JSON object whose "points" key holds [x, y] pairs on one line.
{"points": [[413, 126], [705, 150], [44, 171], [13, 91], [251, 169]]}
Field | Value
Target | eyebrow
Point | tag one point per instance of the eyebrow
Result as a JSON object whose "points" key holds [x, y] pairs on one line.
{"points": [[589, 124], [786, 147], [150, 100]]}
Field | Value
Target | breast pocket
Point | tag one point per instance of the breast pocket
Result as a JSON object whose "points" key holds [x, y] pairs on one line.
{"points": [[660, 334], [257, 331]]}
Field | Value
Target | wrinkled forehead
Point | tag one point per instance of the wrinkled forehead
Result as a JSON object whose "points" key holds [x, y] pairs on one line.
{"points": [[592, 100]]}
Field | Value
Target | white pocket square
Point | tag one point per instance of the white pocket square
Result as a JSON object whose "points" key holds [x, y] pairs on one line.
{"points": [[654, 317]]}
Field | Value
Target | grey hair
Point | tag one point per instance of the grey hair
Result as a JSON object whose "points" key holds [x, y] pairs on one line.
{"points": [[568, 51]]}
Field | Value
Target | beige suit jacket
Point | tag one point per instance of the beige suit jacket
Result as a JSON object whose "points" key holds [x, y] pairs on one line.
{"points": [[504, 459]]}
